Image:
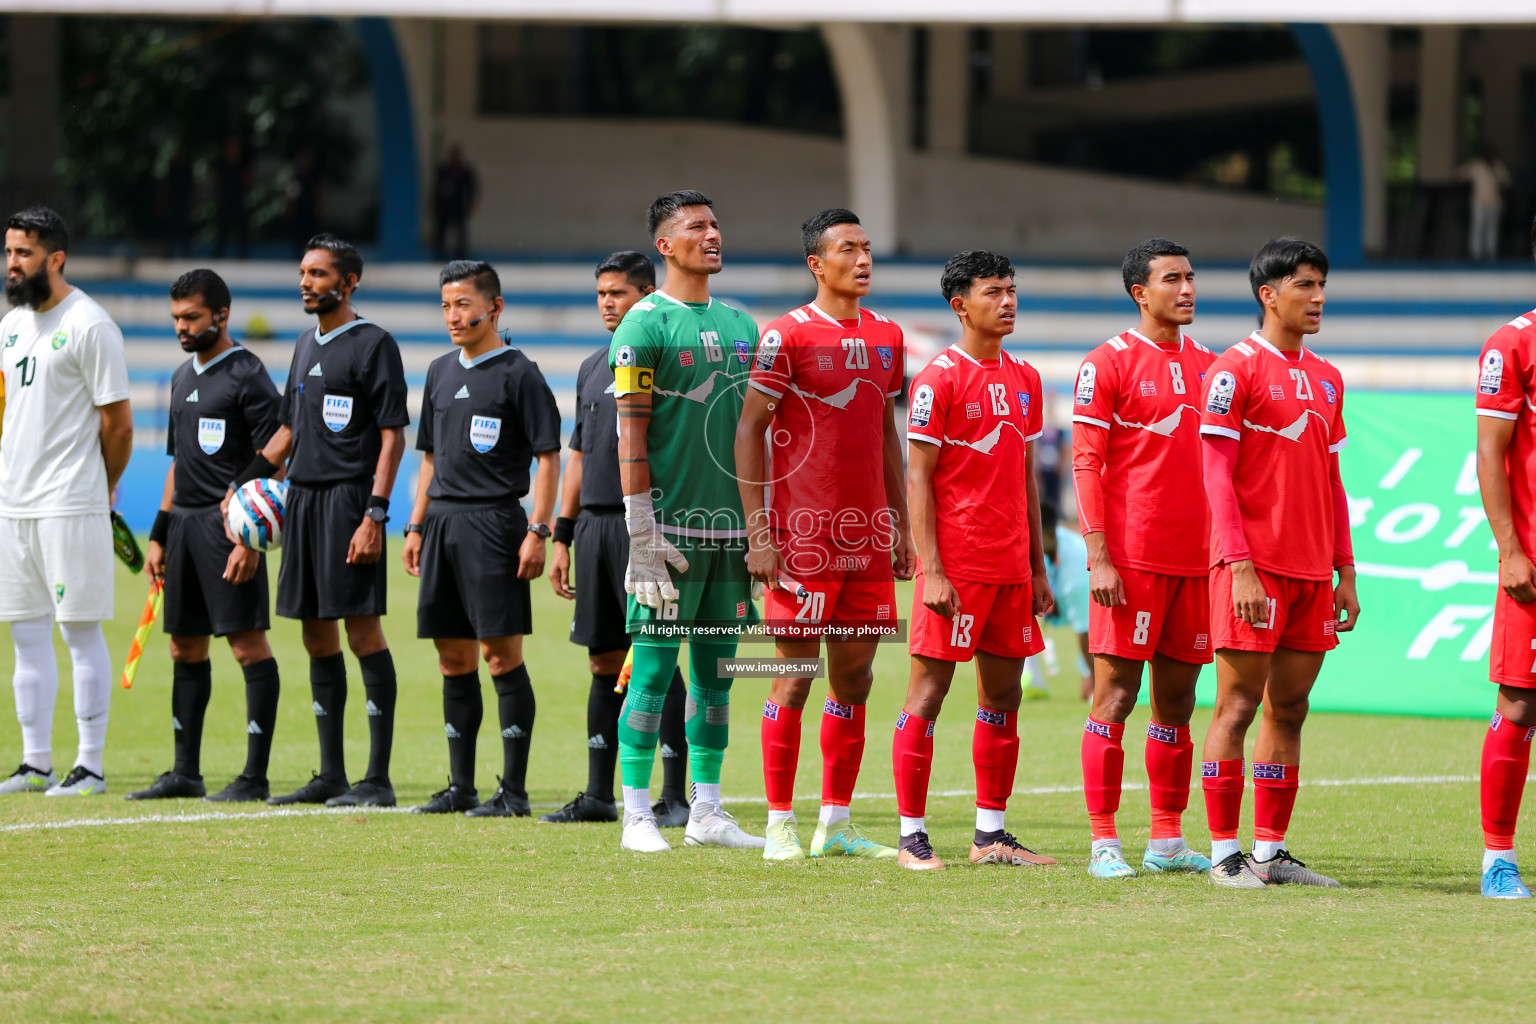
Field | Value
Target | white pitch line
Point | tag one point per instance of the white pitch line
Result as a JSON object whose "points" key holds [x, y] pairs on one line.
{"points": [[192, 819]]}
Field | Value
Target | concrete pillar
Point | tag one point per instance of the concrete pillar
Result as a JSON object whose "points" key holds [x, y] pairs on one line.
{"points": [[1366, 58], [948, 88], [1010, 63], [33, 145], [1439, 103], [873, 68], [418, 40]]}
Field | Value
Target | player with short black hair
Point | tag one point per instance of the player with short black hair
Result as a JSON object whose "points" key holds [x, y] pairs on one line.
{"points": [[1135, 452], [592, 520], [343, 416], [818, 433], [223, 411], [981, 581], [1272, 428], [66, 439], [486, 414]]}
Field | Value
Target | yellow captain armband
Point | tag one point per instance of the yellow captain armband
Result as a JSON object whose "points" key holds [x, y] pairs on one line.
{"points": [[629, 380]]}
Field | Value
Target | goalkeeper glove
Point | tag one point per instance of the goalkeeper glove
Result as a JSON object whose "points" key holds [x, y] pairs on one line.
{"points": [[650, 553]]}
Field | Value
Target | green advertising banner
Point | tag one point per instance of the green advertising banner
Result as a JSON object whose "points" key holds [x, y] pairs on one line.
{"points": [[1425, 560]]}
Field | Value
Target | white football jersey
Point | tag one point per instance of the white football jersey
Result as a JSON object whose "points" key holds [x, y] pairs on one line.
{"points": [[59, 366]]}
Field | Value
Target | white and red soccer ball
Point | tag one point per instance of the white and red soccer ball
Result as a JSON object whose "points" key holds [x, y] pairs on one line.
{"points": [[256, 513]]}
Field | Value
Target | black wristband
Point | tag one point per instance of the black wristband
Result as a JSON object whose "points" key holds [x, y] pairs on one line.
{"points": [[565, 529], [374, 501], [260, 468], [162, 527]]}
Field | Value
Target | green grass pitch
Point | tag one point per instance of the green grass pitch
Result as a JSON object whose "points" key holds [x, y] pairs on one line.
{"points": [[383, 916]]}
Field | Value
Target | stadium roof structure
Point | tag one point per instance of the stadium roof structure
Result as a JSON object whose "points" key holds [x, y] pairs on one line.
{"points": [[995, 12]]}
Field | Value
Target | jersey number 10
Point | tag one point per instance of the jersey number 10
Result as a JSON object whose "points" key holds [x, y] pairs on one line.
{"points": [[28, 368]]}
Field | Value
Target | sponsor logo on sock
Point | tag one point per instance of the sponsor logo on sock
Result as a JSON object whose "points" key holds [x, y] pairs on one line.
{"points": [[319, 711], [1494, 722], [176, 723], [836, 710], [1262, 770], [597, 742], [1162, 733], [668, 751], [253, 729], [373, 710], [990, 717], [1530, 734], [1207, 769], [513, 732], [770, 711], [901, 721], [1100, 729], [450, 731]]}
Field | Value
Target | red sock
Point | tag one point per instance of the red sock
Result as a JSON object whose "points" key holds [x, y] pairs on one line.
{"points": [[1274, 796], [912, 762], [1103, 767], [995, 752], [842, 750], [1506, 759], [781, 753], [1170, 757], [1223, 785]]}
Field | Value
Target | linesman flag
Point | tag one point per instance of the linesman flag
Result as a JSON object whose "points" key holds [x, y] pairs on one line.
{"points": [[151, 613]]}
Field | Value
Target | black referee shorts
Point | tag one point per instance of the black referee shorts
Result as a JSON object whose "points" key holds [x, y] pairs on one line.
{"points": [[600, 554], [469, 584], [198, 600], [314, 580]]}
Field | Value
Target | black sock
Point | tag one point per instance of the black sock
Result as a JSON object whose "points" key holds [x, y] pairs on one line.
{"points": [[328, 688], [602, 736], [463, 710], [191, 686], [674, 742], [261, 690], [514, 709], [379, 684]]}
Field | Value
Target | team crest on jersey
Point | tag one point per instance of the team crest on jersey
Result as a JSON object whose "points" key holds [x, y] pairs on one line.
{"points": [[922, 406], [210, 434], [1492, 377], [742, 353], [1219, 401], [768, 351], [1329, 392], [887, 358], [1086, 377], [484, 432], [625, 356], [59, 339], [337, 412], [58, 593], [1023, 402]]}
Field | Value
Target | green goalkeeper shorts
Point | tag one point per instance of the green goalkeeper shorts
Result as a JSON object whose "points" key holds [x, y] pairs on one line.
{"points": [[714, 596]]}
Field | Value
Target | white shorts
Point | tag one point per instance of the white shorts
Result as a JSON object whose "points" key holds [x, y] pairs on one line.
{"points": [[60, 567]]}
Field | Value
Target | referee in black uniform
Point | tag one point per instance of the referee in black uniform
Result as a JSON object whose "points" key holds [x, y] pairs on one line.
{"points": [[342, 435], [223, 410], [486, 414], [592, 518]]}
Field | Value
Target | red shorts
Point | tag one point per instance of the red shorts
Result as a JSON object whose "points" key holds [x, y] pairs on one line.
{"points": [[846, 588], [1168, 615], [1300, 617], [994, 618], [1512, 657]]}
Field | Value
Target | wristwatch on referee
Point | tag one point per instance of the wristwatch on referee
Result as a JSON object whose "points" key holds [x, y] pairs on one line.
{"points": [[540, 530], [378, 509], [411, 528]]}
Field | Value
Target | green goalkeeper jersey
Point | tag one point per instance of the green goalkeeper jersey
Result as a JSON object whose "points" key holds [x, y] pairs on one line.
{"points": [[692, 358]]}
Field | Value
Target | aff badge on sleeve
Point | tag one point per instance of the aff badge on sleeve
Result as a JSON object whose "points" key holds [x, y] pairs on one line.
{"points": [[484, 432], [1219, 401], [337, 412], [1491, 379], [922, 406], [1085, 381], [768, 350], [629, 379], [210, 434]]}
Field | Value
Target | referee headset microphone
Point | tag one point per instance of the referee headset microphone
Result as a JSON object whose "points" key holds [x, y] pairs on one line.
{"points": [[495, 311]]}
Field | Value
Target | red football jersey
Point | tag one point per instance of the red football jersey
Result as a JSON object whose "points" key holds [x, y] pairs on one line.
{"points": [[1147, 399], [832, 378], [1506, 386], [1288, 416], [982, 415]]}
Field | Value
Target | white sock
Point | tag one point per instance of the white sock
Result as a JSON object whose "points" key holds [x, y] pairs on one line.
{"points": [[1266, 851], [1221, 849], [774, 817], [988, 820], [831, 814], [91, 667], [706, 793], [638, 801], [1165, 846], [1099, 844], [36, 684], [912, 826], [1489, 856]]}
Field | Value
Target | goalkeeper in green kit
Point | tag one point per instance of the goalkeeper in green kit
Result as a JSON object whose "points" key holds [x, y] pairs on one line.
{"points": [[680, 366]]}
